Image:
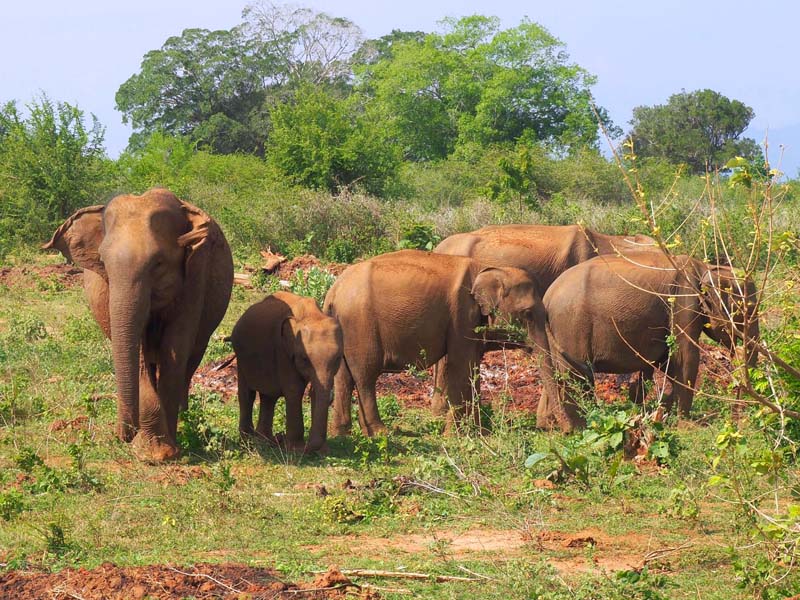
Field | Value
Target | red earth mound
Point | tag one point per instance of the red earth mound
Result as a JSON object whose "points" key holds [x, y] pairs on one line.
{"points": [[44, 277], [162, 582], [508, 378]]}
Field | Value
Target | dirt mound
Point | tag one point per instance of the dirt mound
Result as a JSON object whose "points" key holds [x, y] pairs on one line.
{"points": [[509, 377], [305, 262], [162, 582], [46, 277]]}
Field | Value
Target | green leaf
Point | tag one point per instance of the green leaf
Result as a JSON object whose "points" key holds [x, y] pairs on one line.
{"points": [[535, 459]]}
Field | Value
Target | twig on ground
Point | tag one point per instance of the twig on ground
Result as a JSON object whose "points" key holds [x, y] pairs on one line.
{"points": [[661, 552], [209, 577], [403, 575], [466, 570]]}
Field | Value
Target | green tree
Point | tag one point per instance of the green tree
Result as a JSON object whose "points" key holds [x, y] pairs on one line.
{"points": [[206, 84], [701, 129], [217, 87], [322, 141], [51, 163], [475, 83]]}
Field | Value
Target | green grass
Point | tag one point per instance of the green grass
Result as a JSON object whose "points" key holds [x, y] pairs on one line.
{"points": [[414, 496]]}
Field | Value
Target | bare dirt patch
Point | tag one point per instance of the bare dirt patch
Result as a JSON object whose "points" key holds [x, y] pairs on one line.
{"points": [[41, 277], [590, 550], [162, 582]]}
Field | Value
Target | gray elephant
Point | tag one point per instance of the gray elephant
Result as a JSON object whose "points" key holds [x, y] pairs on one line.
{"points": [[616, 314], [282, 344], [158, 275], [543, 251], [413, 308]]}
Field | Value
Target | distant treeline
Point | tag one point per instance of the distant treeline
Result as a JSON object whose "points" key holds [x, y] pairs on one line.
{"points": [[301, 135]]}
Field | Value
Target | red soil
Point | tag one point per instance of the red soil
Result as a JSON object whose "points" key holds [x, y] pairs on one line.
{"points": [[161, 582]]}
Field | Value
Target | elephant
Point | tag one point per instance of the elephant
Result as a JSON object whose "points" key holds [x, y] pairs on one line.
{"points": [[413, 307], [544, 251], [621, 314], [282, 344], [158, 275]]}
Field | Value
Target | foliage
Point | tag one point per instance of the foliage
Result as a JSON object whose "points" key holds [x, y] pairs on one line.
{"points": [[419, 236], [477, 83], [314, 283], [324, 142], [702, 129], [51, 163], [216, 87]]}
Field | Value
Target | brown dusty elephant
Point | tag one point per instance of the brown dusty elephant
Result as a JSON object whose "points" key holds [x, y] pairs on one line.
{"points": [[282, 344], [158, 275], [615, 314], [544, 251], [412, 308]]}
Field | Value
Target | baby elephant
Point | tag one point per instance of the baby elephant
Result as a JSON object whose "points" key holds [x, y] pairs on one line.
{"points": [[282, 344]]}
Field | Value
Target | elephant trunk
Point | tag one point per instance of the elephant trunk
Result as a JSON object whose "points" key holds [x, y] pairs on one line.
{"points": [[129, 306], [554, 407], [321, 397]]}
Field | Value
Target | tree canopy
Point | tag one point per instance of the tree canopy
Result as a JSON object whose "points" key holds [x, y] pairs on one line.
{"points": [[476, 83], [217, 86], [701, 129]]}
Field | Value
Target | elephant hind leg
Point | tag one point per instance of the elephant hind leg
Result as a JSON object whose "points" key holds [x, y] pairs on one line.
{"points": [[341, 419], [368, 417], [266, 415], [247, 398], [637, 390], [463, 387], [439, 398]]}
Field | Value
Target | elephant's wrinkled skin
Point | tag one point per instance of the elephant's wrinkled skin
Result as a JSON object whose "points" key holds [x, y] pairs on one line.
{"points": [[412, 308], [158, 275], [544, 251], [282, 344], [624, 314]]}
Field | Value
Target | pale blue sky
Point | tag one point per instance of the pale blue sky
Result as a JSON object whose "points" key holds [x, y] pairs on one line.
{"points": [[641, 51]]}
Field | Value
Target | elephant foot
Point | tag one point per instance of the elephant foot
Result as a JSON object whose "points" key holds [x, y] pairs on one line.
{"points": [[321, 449], [288, 444], [438, 407], [339, 429], [373, 429], [153, 450], [265, 436], [126, 433]]}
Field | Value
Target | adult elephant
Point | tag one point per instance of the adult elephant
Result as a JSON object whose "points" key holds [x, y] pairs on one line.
{"points": [[413, 308], [543, 251], [616, 314], [158, 275]]}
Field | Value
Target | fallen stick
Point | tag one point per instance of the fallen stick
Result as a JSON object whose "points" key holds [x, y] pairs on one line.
{"points": [[402, 575]]}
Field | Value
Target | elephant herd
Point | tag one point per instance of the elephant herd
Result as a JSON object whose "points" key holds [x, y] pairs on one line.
{"points": [[158, 275]]}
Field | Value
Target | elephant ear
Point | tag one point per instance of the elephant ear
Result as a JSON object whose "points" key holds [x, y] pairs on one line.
{"points": [[79, 238], [488, 289], [200, 231], [289, 334]]}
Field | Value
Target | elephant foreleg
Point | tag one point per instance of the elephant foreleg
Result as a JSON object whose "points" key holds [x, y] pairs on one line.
{"points": [[294, 419], [153, 441]]}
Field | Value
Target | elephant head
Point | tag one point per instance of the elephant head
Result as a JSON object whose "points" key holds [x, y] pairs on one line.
{"points": [[315, 345], [151, 250], [511, 291], [730, 309]]}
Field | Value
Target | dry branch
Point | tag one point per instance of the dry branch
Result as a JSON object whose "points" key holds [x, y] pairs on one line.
{"points": [[403, 575]]}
